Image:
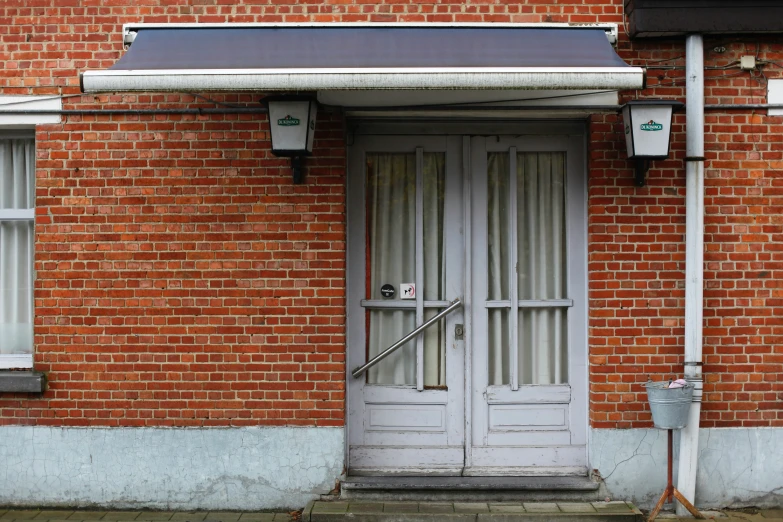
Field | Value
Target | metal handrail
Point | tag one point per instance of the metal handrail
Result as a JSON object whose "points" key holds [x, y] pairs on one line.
{"points": [[388, 351]]}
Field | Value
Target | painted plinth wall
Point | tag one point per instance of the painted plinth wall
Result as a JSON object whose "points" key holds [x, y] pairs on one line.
{"points": [[189, 469], [737, 466]]}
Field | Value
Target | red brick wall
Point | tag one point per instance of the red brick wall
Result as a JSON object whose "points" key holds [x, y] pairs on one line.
{"points": [[183, 280], [637, 248]]}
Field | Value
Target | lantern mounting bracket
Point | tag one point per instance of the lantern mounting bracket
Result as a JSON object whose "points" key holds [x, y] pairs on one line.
{"points": [[297, 169], [642, 165]]}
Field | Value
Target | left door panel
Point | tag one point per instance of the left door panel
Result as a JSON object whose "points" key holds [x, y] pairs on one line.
{"points": [[405, 256]]}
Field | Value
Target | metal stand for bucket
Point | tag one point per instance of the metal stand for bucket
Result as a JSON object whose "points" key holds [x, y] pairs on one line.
{"points": [[672, 491]]}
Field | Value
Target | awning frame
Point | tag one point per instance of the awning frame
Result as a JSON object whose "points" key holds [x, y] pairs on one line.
{"points": [[130, 30]]}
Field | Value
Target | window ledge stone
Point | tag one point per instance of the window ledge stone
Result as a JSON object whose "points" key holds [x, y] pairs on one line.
{"points": [[22, 382]]}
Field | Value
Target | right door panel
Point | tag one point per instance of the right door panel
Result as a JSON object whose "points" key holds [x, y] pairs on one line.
{"points": [[528, 313]]}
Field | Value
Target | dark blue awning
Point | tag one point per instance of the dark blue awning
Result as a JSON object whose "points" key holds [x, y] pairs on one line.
{"points": [[338, 56]]}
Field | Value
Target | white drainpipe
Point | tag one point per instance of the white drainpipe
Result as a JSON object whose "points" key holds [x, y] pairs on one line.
{"points": [[694, 261]]}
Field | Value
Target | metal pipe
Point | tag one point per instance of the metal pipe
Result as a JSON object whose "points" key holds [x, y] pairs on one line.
{"points": [[356, 372], [133, 112], [408, 108], [694, 262]]}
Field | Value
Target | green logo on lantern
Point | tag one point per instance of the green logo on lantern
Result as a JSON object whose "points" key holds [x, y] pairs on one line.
{"points": [[651, 126], [288, 121]]}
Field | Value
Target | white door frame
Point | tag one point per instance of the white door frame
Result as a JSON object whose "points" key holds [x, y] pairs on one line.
{"points": [[576, 131]]}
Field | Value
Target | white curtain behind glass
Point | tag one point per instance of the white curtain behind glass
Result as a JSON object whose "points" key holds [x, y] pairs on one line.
{"points": [[17, 191], [391, 257], [541, 266], [540, 223], [497, 266]]}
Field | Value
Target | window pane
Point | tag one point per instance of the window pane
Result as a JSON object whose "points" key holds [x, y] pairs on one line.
{"points": [[17, 191], [497, 226], [16, 293], [17, 174]]}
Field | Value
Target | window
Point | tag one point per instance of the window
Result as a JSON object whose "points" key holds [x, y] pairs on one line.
{"points": [[17, 217]]}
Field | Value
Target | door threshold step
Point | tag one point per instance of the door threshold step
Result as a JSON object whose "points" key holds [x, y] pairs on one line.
{"points": [[365, 511], [424, 488]]}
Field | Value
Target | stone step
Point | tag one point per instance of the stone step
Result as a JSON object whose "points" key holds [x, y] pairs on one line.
{"points": [[485, 489], [365, 511]]}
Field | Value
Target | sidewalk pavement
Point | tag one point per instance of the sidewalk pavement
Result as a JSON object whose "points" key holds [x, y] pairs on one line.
{"points": [[57, 515], [70, 515]]}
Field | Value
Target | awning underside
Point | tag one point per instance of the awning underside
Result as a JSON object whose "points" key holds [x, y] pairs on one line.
{"points": [[316, 58]]}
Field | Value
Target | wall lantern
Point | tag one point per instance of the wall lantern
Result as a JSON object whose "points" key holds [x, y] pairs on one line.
{"points": [[292, 125], [648, 128]]}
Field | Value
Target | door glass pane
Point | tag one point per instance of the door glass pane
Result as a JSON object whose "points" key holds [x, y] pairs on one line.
{"points": [[497, 226], [391, 221], [434, 183], [434, 351], [434, 177], [543, 350], [391, 259], [386, 328], [541, 262], [497, 336], [497, 266]]}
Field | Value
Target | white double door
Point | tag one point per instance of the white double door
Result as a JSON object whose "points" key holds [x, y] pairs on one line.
{"points": [[497, 387]]}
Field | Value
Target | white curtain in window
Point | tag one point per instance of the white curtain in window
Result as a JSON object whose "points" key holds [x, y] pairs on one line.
{"points": [[540, 267], [391, 258], [17, 192]]}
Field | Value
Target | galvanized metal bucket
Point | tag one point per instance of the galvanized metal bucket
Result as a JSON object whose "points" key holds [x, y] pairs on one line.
{"points": [[669, 406]]}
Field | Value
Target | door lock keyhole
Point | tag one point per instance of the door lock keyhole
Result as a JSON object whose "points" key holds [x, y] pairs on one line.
{"points": [[459, 332]]}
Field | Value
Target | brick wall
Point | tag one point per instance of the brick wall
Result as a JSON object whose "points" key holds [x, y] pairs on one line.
{"points": [[183, 280], [637, 248]]}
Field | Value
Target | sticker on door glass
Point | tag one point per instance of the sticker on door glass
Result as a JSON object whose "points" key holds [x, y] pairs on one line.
{"points": [[387, 290], [407, 291]]}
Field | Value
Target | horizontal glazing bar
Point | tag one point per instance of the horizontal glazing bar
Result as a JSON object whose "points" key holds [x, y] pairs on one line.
{"points": [[398, 304], [27, 214], [533, 303]]}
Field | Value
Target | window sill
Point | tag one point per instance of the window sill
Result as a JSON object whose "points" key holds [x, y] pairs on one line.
{"points": [[22, 382]]}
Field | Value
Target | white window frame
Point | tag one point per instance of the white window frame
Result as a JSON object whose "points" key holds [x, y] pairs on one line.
{"points": [[16, 126]]}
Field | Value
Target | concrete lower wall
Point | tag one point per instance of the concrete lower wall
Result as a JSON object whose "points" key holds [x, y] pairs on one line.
{"points": [[737, 467], [281, 467], [237, 468]]}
